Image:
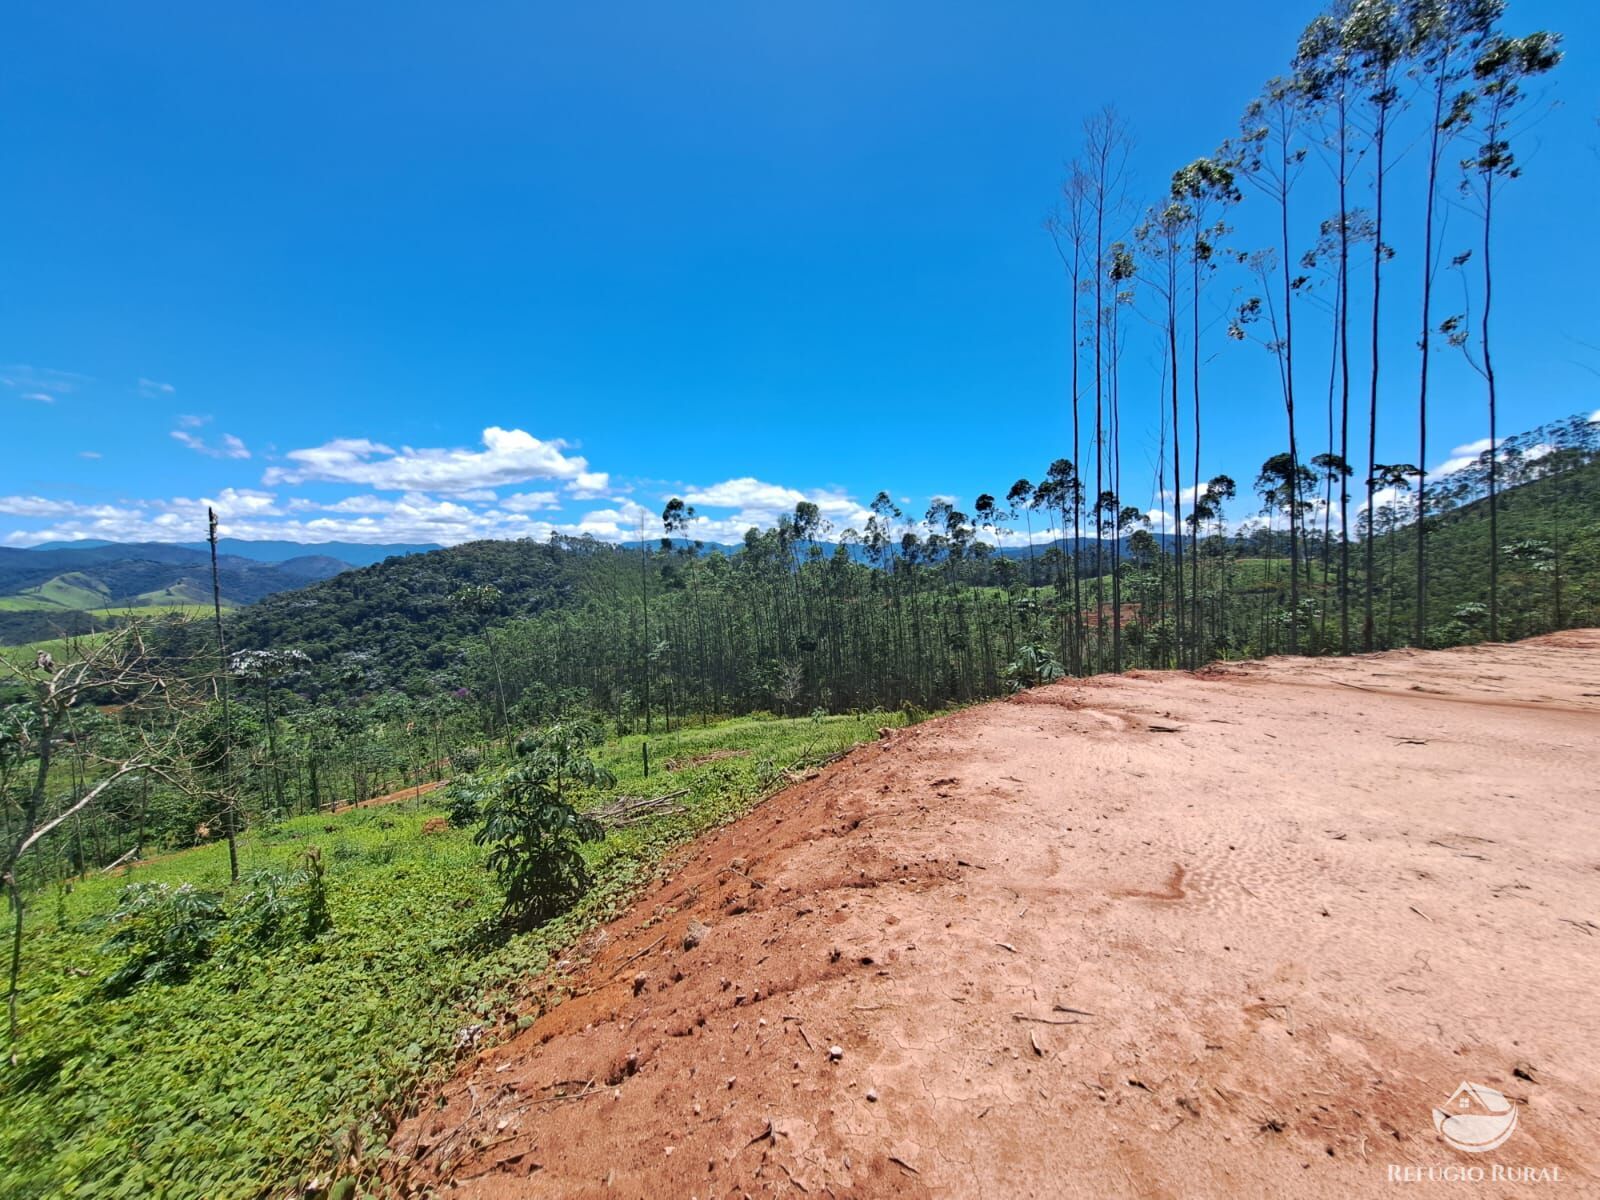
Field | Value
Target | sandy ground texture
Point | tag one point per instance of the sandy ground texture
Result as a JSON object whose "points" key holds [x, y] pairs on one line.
{"points": [[1231, 934]]}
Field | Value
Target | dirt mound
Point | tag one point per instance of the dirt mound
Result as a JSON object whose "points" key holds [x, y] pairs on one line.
{"points": [[1234, 934]]}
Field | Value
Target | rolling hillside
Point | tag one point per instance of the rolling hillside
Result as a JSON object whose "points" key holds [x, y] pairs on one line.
{"points": [[52, 593]]}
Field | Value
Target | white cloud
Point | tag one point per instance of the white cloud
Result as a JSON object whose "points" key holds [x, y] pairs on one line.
{"points": [[235, 501], [154, 388], [89, 454], [509, 456], [589, 485], [192, 420], [228, 447], [39, 506], [526, 502], [761, 504], [39, 384], [1190, 494]]}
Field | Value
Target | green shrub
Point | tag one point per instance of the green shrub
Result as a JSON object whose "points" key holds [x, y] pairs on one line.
{"points": [[463, 800], [533, 829], [266, 907], [1033, 665], [165, 932]]}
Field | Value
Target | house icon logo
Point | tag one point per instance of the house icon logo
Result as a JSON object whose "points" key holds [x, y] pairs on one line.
{"points": [[1475, 1118]]}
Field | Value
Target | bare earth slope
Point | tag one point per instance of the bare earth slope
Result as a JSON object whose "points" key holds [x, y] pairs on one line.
{"points": [[1232, 934]]}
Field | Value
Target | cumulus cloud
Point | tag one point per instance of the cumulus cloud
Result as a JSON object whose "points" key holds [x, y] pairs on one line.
{"points": [[509, 456], [760, 503], [1462, 457], [39, 506], [589, 485], [228, 447], [525, 502]]}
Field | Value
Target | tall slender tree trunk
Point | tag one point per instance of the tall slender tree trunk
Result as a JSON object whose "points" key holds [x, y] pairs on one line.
{"points": [[1420, 623], [1196, 623], [1293, 498], [230, 821], [1177, 457], [1344, 377], [1494, 443], [1368, 629]]}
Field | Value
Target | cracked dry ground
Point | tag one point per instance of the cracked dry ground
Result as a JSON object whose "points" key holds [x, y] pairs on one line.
{"points": [[1226, 934]]}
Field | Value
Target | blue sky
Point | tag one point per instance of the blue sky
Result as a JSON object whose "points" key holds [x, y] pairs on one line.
{"points": [[424, 272]]}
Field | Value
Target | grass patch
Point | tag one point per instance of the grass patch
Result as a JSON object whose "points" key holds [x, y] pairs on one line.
{"points": [[266, 1066]]}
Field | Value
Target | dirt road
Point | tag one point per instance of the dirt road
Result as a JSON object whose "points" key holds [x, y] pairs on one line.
{"points": [[1230, 935]]}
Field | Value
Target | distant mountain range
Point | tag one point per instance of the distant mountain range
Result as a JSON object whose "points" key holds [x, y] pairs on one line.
{"points": [[70, 588], [354, 554]]}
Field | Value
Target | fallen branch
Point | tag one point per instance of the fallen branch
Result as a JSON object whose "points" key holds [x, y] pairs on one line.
{"points": [[633, 810]]}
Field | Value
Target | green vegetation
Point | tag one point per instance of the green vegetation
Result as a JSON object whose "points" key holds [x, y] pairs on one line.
{"points": [[49, 592], [924, 612], [72, 590], [250, 1061]]}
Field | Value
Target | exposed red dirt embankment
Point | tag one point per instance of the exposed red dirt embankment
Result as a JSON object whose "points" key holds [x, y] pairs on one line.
{"points": [[1228, 934]]}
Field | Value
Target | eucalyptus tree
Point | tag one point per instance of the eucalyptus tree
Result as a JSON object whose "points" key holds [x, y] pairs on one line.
{"points": [[1062, 489], [1375, 34], [1270, 158], [1122, 271], [1503, 67], [1443, 34], [1394, 478], [1326, 72], [1205, 187], [230, 815], [1220, 489], [1107, 145], [1069, 230], [1161, 236], [1334, 468], [1285, 483]]}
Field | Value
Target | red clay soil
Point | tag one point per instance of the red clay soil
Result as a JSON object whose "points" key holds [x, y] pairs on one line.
{"points": [[416, 791], [1232, 934]]}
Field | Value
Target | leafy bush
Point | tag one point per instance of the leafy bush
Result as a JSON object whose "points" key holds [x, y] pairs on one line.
{"points": [[166, 932], [533, 828], [464, 760], [463, 800], [282, 904], [1033, 665], [267, 906]]}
